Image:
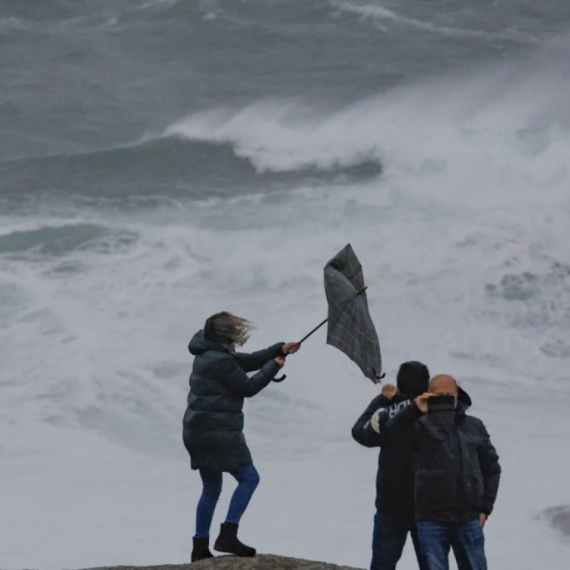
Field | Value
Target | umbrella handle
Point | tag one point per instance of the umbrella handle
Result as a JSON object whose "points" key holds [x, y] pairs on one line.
{"points": [[281, 378]]}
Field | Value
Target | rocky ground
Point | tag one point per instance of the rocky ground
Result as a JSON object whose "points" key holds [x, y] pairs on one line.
{"points": [[260, 562]]}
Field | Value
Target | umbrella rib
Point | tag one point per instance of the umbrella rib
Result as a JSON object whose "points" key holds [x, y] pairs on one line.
{"points": [[341, 310]]}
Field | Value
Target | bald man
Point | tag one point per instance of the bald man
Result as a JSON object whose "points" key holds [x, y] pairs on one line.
{"points": [[456, 475]]}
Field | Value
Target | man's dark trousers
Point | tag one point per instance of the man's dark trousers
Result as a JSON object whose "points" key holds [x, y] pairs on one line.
{"points": [[388, 539], [467, 541]]}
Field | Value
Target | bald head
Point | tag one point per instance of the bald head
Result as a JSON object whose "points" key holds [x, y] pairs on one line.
{"points": [[443, 384]]}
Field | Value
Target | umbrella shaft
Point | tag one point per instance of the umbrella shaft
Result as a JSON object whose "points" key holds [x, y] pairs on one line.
{"points": [[314, 330]]}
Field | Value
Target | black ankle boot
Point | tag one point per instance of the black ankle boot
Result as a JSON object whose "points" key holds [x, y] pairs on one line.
{"points": [[200, 549], [228, 541]]}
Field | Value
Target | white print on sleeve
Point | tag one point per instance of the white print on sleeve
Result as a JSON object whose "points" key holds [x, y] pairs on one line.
{"points": [[397, 408]]}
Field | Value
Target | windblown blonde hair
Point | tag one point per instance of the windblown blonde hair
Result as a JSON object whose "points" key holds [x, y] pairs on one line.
{"points": [[227, 329]]}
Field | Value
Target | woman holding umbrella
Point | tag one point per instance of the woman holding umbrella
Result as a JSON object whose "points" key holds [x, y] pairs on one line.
{"points": [[213, 422]]}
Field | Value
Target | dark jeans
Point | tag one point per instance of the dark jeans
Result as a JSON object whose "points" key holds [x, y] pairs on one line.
{"points": [[247, 478], [467, 541], [388, 541]]}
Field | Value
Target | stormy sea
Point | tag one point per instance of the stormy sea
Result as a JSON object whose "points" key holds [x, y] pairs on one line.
{"points": [[162, 160]]}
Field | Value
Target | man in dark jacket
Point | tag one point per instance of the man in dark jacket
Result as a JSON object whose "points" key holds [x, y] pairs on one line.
{"points": [[456, 475], [213, 422], [394, 517]]}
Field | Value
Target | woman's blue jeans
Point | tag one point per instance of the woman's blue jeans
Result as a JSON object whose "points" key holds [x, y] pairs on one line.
{"points": [[247, 478]]}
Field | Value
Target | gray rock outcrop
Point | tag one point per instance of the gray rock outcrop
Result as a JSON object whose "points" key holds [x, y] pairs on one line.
{"points": [[260, 562]]}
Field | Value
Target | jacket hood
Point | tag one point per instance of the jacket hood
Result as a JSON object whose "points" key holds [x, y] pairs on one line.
{"points": [[463, 399], [200, 344]]}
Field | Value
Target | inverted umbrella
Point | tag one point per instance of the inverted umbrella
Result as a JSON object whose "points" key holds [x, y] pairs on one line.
{"points": [[350, 327]]}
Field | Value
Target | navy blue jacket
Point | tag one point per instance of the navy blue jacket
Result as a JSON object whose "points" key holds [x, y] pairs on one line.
{"points": [[213, 422], [456, 468], [394, 478]]}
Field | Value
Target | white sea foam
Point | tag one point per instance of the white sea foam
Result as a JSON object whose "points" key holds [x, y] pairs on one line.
{"points": [[496, 134], [464, 245], [381, 14], [98, 373], [381, 17]]}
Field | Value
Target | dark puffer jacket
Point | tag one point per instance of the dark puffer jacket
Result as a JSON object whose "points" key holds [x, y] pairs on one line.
{"points": [[394, 478], [456, 468], [213, 422]]}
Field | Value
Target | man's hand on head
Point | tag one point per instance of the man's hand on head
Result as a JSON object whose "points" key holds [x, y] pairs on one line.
{"points": [[389, 390]]}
